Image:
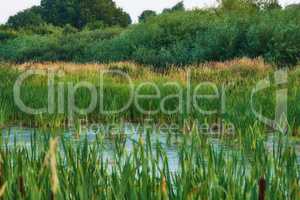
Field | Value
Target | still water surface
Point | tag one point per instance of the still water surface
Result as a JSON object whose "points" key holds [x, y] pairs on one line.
{"points": [[16, 137]]}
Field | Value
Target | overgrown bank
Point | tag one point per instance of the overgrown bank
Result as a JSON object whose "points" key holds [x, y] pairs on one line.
{"points": [[230, 87], [177, 38]]}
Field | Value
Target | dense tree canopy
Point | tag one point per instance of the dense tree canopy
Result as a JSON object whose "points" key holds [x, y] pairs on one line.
{"points": [[81, 12], [178, 7], [248, 4], [146, 15], [61, 12], [77, 13], [236, 28], [29, 17]]}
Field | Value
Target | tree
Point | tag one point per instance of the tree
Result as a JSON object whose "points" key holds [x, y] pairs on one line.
{"points": [[120, 18], [61, 12], [147, 14], [248, 4], [238, 5], [78, 13], [178, 7], [27, 18]]}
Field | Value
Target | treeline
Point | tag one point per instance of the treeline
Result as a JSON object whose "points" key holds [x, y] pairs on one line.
{"points": [[77, 13], [236, 28]]}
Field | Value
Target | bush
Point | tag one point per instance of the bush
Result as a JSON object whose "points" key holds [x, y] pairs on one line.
{"points": [[54, 47], [183, 38], [176, 38], [7, 35], [95, 25], [68, 29], [44, 29], [33, 48]]}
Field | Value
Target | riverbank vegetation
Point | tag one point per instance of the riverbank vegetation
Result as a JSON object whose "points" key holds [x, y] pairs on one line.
{"points": [[67, 65], [177, 36], [171, 91], [56, 167]]}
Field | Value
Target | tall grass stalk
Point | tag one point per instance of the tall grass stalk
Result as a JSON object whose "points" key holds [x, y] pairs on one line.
{"points": [[85, 170]]}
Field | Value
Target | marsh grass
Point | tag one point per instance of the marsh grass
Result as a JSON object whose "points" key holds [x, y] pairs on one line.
{"points": [[238, 77], [61, 169]]}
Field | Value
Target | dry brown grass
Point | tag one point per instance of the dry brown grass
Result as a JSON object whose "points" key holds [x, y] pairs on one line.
{"points": [[73, 67], [206, 71], [211, 70], [257, 64]]}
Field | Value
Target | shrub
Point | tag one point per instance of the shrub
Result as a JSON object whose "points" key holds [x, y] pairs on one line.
{"points": [[43, 29], [175, 38], [7, 35], [147, 14], [63, 47], [68, 29], [95, 25]]}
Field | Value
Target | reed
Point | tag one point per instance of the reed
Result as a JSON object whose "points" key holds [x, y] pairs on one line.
{"points": [[236, 77], [83, 169]]}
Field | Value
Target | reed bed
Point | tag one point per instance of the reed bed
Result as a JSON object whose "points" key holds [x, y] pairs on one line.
{"points": [[52, 167], [237, 80]]}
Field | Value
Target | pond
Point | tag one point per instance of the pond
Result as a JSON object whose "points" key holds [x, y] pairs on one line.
{"points": [[19, 137]]}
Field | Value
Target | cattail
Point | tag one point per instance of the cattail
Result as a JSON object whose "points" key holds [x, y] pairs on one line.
{"points": [[164, 187], [21, 186], [141, 141], [262, 188], [53, 169], [50, 159], [1, 170], [3, 187], [2, 190]]}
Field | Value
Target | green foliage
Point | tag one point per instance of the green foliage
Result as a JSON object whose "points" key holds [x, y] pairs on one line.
{"points": [[147, 14], [114, 163], [95, 25], [79, 13], [178, 7], [182, 38], [7, 35], [68, 29], [44, 29], [117, 165], [248, 5], [27, 18], [60, 12], [34, 48], [66, 45], [238, 5]]}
